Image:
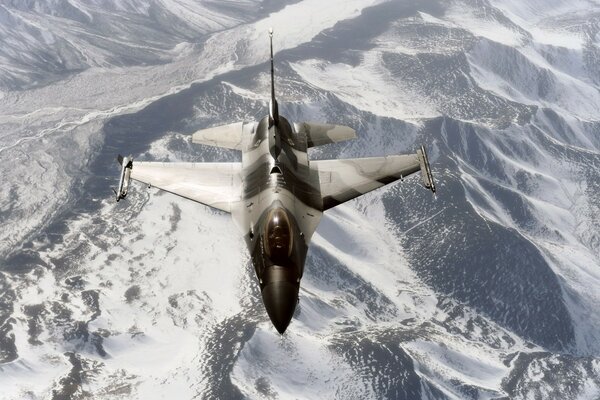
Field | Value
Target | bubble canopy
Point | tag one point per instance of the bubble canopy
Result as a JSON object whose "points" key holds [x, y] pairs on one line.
{"points": [[278, 236]]}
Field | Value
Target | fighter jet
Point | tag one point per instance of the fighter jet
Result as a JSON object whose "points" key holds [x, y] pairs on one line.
{"points": [[276, 195]]}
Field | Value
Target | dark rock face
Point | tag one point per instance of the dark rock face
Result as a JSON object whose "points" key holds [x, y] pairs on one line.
{"points": [[492, 269]]}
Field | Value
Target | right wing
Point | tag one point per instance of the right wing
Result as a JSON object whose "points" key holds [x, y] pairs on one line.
{"points": [[343, 180], [320, 134], [216, 185], [228, 136]]}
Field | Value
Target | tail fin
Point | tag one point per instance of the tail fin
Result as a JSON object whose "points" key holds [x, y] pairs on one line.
{"points": [[273, 108]]}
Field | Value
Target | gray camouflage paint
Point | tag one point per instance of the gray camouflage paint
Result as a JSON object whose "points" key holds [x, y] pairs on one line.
{"points": [[276, 178], [276, 174]]}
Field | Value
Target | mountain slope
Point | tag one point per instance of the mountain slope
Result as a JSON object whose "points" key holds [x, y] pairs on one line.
{"points": [[488, 290]]}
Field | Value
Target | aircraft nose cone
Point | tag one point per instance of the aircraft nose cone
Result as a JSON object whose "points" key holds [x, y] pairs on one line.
{"points": [[280, 300]]}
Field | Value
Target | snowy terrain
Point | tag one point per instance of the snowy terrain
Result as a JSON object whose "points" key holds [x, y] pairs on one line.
{"points": [[489, 290]]}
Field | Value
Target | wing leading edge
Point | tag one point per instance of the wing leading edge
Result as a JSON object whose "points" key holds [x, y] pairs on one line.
{"points": [[217, 185], [346, 179]]}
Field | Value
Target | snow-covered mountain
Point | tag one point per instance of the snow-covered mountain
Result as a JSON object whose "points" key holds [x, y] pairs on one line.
{"points": [[489, 290]]}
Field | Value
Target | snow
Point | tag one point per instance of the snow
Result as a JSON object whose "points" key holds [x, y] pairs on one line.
{"points": [[150, 339], [368, 87], [145, 339], [251, 38], [484, 26], [179, 306], [315, 372], [543, 19], [568, 94], [454, 361], [31, 373], [96, 94]]}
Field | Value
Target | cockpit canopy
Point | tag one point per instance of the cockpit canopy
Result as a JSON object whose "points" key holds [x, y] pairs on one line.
{"points": [[278, 237]]}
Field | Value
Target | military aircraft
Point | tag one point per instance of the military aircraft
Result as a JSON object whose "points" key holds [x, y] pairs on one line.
{"points": [[276, 195]]}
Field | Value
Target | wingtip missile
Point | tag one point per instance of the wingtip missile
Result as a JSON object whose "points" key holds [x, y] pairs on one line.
{"points": [[426, 175], [125, 177]]}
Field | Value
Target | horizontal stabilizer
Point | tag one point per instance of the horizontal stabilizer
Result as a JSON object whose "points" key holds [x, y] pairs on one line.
{"points": [[227, 136], [320, 134]]}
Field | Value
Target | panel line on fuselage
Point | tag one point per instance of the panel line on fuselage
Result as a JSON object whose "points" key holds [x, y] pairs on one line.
{"points": [[293, 186], [258, 160]]}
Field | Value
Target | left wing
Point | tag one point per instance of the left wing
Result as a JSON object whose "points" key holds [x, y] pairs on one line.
{"points": [[216, 185], [343, 180]]}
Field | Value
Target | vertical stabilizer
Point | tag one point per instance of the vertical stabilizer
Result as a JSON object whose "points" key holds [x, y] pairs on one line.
{"points": [[273, 108]]}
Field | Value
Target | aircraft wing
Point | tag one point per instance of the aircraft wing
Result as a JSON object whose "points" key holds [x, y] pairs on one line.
{"points": [[320, 134], [216, 185], [346, 179]]}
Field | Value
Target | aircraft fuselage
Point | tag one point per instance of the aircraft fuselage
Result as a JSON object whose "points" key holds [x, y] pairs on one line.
{"points": [[281, 210]]}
